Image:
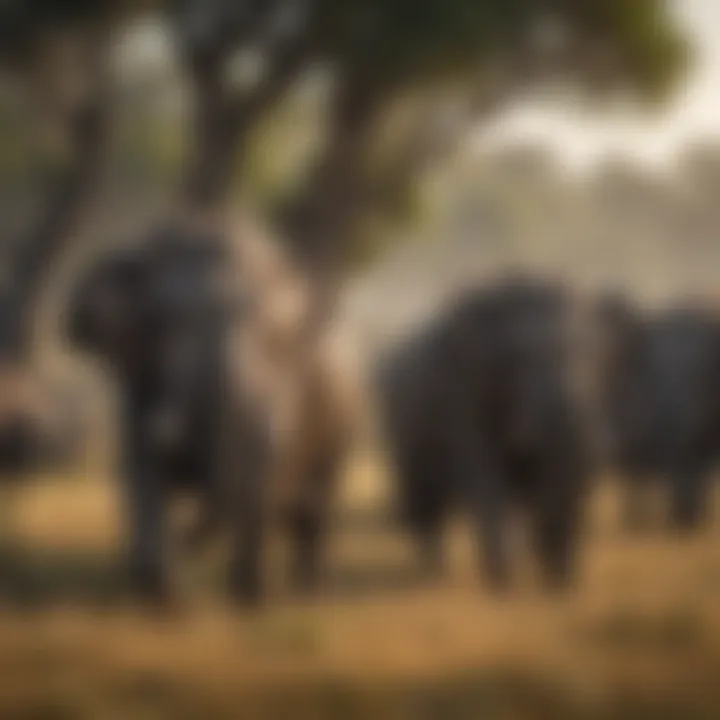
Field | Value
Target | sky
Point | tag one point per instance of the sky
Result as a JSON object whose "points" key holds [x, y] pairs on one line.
{"points": [[583, 139]]}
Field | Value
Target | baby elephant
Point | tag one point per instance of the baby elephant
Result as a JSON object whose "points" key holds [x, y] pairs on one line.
{"points": [[216, 399], [487, 410]]}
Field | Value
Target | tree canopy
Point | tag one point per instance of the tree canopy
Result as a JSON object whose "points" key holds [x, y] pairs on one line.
{"points": [[445, 63]]}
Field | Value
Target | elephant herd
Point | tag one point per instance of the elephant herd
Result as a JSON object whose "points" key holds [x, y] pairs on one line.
{"points": [[509, 401], [521, 393], [220, 396]]}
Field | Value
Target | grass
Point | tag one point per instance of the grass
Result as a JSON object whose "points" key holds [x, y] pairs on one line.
{"points": [[638, 638]]}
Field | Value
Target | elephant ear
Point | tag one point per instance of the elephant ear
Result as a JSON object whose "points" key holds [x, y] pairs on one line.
{"points": [[102, 305]]}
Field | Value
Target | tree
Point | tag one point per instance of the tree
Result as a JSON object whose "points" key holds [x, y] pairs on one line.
{"points": [[440, 64], [453, 60], [409, 78], [56, 55]]}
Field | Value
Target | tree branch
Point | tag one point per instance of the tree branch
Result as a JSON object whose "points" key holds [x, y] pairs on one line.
{"points": [[224, 118], [325, 224], [319, 223], [441, 133]]}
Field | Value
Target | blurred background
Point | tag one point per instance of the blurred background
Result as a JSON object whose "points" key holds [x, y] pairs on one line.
{"points": [[421, 148]]}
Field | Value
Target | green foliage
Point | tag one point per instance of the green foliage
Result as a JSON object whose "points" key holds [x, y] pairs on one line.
{"points": [[406, 40], [282, 148], [653, 52], [401, 42]]}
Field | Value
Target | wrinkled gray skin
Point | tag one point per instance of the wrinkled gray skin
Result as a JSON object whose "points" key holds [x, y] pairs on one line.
{"points": [[162, 319], [155, 316], [664, 411], [480, 417]]}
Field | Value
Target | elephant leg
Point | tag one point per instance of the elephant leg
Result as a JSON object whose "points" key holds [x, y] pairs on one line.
{"points": [[483, 487], [557, 521], [145, 512], [424, 505], [491, 520], [246, 565], [247, 463], [689, 496], [555, 545], [309, 520], [307, 528]]}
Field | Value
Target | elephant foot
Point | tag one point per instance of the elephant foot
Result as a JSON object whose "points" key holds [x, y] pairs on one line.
{"points": [[497, 580], [306, 561], [245, 590], [153, 590], [558, 575], [687, 526], [558, 582]]}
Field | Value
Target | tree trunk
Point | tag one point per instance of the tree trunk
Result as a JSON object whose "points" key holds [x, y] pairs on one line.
{"points": [[31, 255], [215, 133], [223, 120], [324, 225]]}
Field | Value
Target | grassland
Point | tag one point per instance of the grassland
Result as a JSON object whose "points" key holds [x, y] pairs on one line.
{"points": [[639, 638]]}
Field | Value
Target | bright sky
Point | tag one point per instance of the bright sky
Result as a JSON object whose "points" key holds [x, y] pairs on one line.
{"points": [[582, 138]]}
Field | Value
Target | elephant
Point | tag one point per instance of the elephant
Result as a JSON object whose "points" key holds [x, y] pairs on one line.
{"points": [[664, 410], [490, 408], [219, 395]]}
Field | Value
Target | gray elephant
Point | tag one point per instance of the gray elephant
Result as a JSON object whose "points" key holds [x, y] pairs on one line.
{"points": [[486, 411], [214, 401], [664, 410]]}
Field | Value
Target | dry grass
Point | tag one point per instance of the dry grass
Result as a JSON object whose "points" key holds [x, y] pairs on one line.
{"points": [[639, 638]]}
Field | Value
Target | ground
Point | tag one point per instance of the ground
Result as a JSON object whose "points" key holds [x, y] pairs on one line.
{"points": [[638, 638]]}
